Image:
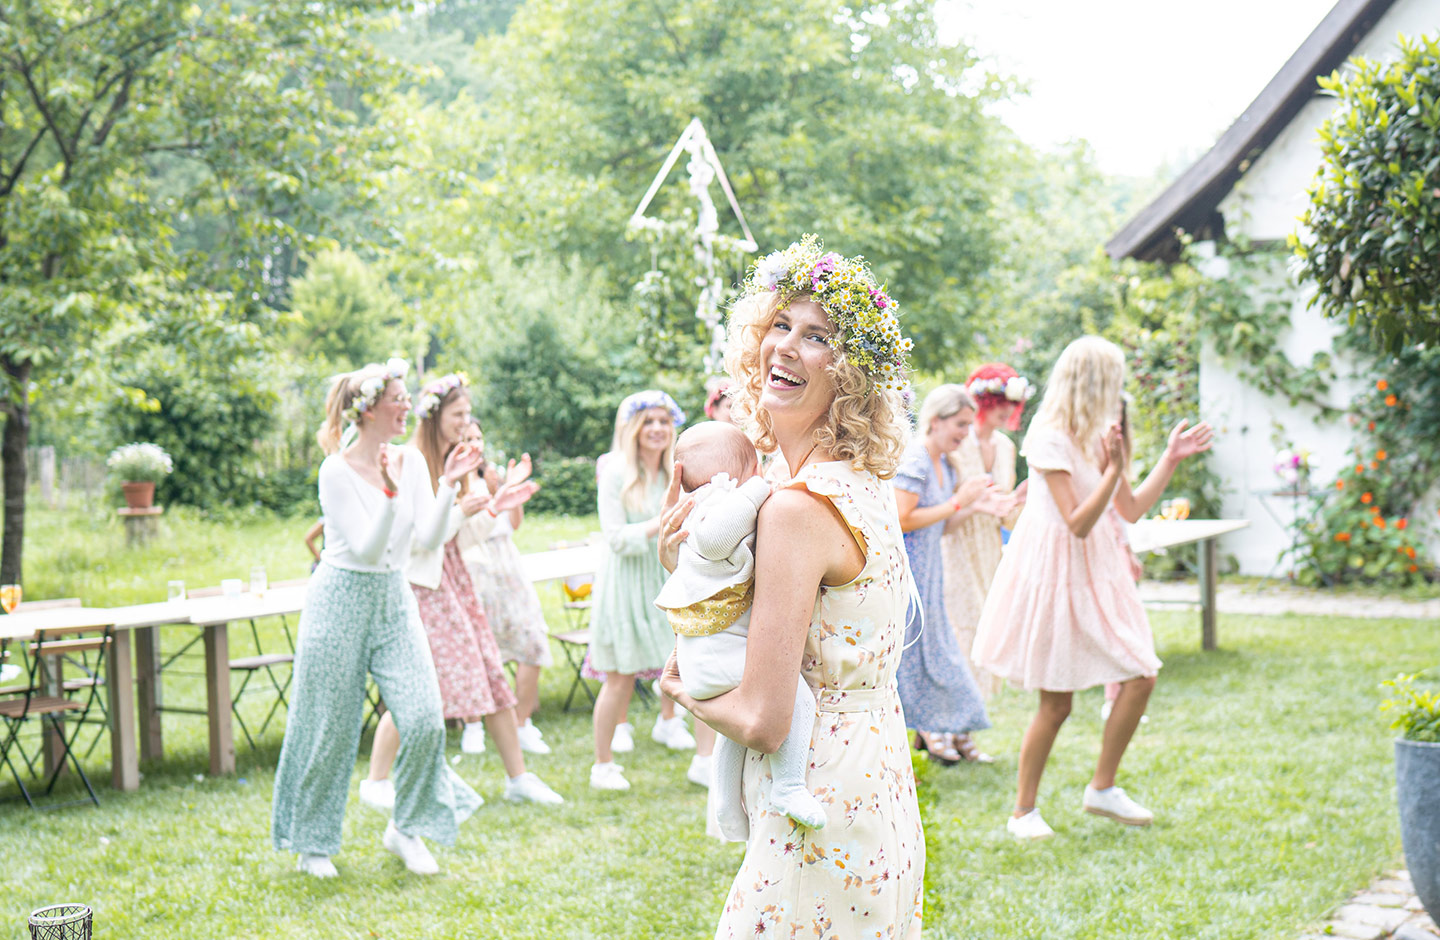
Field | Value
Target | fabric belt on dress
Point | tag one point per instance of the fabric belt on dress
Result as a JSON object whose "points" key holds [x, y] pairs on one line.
{"points": [[856, 700]]}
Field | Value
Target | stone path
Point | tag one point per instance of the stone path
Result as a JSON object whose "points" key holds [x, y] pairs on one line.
{"points": [[1278, 599], [1387, 910]]}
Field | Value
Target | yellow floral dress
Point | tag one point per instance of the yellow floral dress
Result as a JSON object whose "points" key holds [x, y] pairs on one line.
{"points": [[972, 552], [863, 874]]}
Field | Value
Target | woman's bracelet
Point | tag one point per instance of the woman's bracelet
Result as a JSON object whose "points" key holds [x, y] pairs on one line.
{"points": [[389, 493]]}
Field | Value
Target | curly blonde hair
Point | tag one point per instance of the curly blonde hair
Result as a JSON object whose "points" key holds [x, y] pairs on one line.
{"points": [[866, 426], [1082, 395]]}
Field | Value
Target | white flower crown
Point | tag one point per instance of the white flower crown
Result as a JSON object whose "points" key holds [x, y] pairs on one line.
{"points": [[372, 388], [1016, 388], [435, 392]]}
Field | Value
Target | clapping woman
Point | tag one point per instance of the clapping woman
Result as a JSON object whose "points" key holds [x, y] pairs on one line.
{"points": [[360, 616]]}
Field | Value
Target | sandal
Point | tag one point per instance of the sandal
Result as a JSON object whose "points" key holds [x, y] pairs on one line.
{"points": [[937, 748], [968, 750]]}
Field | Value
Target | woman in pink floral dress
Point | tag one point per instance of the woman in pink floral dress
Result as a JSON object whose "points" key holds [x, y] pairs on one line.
{"points": [[816, 352]]}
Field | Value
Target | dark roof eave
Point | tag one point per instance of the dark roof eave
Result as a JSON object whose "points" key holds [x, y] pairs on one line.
{"points": [[1191, 199]]}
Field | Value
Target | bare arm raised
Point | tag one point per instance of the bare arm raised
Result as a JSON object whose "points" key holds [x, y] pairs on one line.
{"points": [[801, 543]]}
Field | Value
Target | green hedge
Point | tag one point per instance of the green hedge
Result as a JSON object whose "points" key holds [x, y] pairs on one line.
{"points": [[567, 486]]}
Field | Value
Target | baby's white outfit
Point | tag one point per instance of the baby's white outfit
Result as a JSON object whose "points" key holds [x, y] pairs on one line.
{"points": [[708, 599]]}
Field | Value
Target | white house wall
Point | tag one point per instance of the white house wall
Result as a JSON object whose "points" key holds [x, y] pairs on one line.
{"points": [[1264, 207]]}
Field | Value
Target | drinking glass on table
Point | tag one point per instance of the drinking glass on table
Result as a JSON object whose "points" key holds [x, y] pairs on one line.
{"points": [[10, 595], [174, 591], [258, 582]]}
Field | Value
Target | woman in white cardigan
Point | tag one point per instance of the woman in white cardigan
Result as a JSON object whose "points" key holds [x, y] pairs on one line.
{"points": [[473, 685], [360, 617]]}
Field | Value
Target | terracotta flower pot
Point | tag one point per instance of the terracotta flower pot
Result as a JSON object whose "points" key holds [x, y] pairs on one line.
{"points": [[139, 495]]}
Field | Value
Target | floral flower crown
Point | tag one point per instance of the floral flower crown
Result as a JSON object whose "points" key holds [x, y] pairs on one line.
{"points": [[1016, 388], [433, 394], [867, 324], [644, 401], [372, 388]]}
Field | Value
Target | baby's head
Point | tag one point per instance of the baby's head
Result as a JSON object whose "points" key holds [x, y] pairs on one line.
{"points": [[713, 447]]}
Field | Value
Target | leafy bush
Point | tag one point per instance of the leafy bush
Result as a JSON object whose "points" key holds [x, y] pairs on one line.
{"points": [[1371, 236], [1361, 529], [567, 486], [1417, 711]]}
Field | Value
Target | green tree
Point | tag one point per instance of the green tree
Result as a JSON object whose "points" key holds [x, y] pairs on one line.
{"points": [[852, 121], [1370, 237], [342, 313], [96, 101]]}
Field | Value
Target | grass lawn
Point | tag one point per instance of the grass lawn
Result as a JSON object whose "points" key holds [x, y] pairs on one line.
{"points": [[1267, 763]]}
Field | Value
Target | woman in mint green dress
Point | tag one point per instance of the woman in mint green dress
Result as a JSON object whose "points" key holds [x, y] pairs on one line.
{"points": [[628, 633]]}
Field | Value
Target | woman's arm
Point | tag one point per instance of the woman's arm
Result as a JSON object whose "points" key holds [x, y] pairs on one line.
{"points": [[1133, 504], [313, 535], [1081, 517], [913, 517], [801, 543], [624, 538], [436, 518]]}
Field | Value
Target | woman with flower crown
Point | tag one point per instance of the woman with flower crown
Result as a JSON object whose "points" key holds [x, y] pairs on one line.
{"points": [[629, 635], [818, 360], [971, 546], [473, 684], [360, 616]]}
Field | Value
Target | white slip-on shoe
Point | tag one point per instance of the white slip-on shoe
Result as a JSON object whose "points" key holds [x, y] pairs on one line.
{"points": [[623, 741], [410, 850], [378, 794], [1115, 804], [673, 734], [472, 741], [532, 741], [1029, 827], [607, 777], [699, 772], [317, 866], [528, 788]]}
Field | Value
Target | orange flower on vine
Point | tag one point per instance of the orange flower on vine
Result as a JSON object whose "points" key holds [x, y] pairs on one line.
{"points": [[1367, 499], [1339, 484], [1379, 522], [1391, 400], [1342, 536], [1414, 568], [1402, 523], [1359, 468], [1382, 385], [1410, 551], [1380, 454]]}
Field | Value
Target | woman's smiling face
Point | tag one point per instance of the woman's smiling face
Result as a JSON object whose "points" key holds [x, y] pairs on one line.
{"points": [[795, 358]]}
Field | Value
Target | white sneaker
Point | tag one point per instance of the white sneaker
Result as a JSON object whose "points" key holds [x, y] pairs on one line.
{"points": [[532, 741], [472, 741], [699, 772], [623, 741], [1029, 827], [528, 788], [1115, 804], [317, 866], [673, 734], [410, 849], [378, 794], [607, 777]]}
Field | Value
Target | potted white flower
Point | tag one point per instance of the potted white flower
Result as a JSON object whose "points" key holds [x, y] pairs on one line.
{"points": [[138, 467], [1416, 715]]}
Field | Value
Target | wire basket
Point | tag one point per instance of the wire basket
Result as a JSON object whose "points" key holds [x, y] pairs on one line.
{"points": [[61, 922]]}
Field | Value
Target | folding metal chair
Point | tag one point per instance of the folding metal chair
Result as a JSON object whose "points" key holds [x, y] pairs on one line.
{"points": [[43, 700], [266, 663]]}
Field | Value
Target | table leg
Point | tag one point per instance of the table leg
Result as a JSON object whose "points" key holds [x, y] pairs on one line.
{"points": [[53, 746], [217, 699], [120, 685], [1207, 594], [148, 693]]}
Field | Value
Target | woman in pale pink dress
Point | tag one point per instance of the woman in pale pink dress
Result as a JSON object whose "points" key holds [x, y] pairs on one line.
{"points": [[1063, 612]]}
